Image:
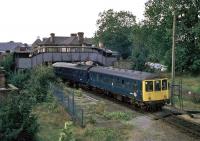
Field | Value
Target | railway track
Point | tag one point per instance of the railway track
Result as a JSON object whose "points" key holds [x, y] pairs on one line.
{"points": [[188, 127], [172, 118], [166, 115]]}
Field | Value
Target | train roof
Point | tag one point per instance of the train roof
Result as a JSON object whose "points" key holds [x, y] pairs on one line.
{"points": [[130, 74], [70, 65]]}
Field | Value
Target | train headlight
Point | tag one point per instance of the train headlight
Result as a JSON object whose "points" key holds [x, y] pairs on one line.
{"points": [[149, 98]]}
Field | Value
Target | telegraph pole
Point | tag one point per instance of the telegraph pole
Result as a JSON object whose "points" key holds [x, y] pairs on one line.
{"points": [[173, 53]]}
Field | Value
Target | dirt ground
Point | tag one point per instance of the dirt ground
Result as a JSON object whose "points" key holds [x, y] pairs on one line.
{"points": [[135, 127]]}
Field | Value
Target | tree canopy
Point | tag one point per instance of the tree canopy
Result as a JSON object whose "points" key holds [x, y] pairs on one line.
{"points": [[114, 30], [158, 15]]}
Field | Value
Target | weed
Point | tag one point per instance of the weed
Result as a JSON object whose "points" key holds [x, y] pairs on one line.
{"points": [[100, 107], [78, 92], [118, 115], [103, 134], [67, 132], [91, 119]]}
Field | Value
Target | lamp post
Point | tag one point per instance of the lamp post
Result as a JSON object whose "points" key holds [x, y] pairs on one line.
{"points": [[173, 54]]}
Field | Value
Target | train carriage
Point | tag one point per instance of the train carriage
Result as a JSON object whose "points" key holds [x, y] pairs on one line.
{"points": [[144, 88], [72, 72]]}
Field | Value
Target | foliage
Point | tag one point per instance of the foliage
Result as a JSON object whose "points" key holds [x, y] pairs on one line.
{"points": [[19, 79], [67, 132], [117, 115], [159, 18], [17, 123], [100, 107], [39, 82], [78, 92], [139, 57], [114, 30], [103, 134], [7, 64], [91, 119]]}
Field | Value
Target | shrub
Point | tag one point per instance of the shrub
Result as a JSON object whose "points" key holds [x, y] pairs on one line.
{"points": [[40, 81], [67, 132], [78, 92], [7, 64], [117, 115], [19, 79], [17, 123], [103, 134], [100, 107]]}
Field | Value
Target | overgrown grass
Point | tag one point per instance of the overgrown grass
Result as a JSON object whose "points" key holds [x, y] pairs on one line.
{"points": [[191, 91], [190, 83], [118, 115], [103, 134], [51, 118]]}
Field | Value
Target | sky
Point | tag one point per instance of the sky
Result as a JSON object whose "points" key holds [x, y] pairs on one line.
{"points": [[26, 20]]}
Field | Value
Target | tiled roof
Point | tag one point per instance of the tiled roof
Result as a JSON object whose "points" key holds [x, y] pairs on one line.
{"points": [[4, 46], [36, 43], [65, 41]]}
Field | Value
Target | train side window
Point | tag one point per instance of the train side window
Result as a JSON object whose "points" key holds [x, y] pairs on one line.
{"points": [[164, 84], [127, 83], [135, 85], [149, 86], [97, 77], [123, 83], [157, 85]]}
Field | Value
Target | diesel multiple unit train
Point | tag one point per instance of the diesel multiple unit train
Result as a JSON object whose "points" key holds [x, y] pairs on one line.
{"points": [[141, 88]]}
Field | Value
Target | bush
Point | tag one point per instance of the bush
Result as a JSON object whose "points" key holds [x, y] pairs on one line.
{"points": [[103, 134], [78, 92], [19, 79], [67, 132], [40, 81], [100, 107], [118, 115], [8, 64], [17, 123]]}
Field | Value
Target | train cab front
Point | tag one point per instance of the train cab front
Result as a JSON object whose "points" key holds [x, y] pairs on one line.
{"points": [[155, 92]]}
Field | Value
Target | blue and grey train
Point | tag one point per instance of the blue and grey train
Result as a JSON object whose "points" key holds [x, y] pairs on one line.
{"points": [[141, 87]]}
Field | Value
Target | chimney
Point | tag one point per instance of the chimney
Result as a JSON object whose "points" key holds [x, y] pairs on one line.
{"points": [[52, 38], [73, 34], [81, 37]]}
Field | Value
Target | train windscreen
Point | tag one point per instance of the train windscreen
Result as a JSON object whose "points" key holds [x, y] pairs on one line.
{"points": [[164, 84], [157, 85], [149, 86]]}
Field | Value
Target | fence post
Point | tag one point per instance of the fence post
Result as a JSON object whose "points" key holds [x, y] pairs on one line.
{"points": [[73, 110], [82, 124], [68, 103]]}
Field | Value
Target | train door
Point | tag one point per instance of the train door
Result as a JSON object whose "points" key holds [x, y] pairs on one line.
{"points": [[148, 90]]}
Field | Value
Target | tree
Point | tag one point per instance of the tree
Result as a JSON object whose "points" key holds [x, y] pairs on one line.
{"points": [[114, 30], [8, 64], [38, 84], [17, 123], [159, 16]]}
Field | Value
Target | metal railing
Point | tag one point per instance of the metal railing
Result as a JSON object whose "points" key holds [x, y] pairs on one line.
{"points": [[68, 101]]}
